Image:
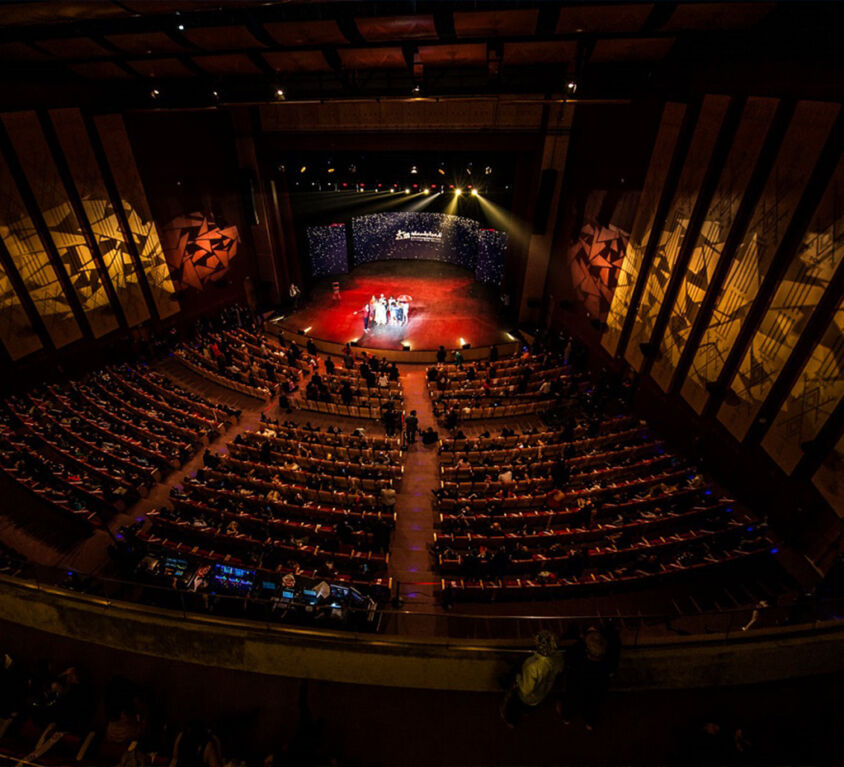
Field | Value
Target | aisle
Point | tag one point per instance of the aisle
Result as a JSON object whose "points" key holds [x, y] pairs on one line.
{"points": [[410, 559]]}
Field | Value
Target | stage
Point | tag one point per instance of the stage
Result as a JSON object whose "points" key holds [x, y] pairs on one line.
{"points": [[449, 308]]}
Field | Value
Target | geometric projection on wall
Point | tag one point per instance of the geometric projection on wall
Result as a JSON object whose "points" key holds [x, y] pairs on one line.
{"points": [[198, 250], [60, 219], [790, 309], [594, 261], [87, 178], [753, 256], [130, 189], [818, 389], [719, 218]]}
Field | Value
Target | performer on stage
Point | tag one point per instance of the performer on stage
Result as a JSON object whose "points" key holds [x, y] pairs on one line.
{"points": [[380, 311], [366, 310]]}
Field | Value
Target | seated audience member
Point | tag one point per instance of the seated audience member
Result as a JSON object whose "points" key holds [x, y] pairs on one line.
{"points": [[534, 681]]}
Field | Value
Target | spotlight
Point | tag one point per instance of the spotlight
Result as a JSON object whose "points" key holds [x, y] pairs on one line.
{"points": [[215, 94], [181, 27], [407, 191], [331, 170], [416, 90], [303, 169], [414, 169], [155, 93], [572, 86], [458, 191], [488, 170], [474, 193], [405, 345], [441, 171], [306, 330], [280, 94], [426, 191]]}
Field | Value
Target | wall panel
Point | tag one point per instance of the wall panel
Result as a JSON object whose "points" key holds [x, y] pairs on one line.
{"points": [[16, 330], [792, 306], [829, 478], [82, 163], [712, 114], [660, 164], [814, 396], [33, 265], [786, 183], [753, 128], [121, 161], [64, 228]]}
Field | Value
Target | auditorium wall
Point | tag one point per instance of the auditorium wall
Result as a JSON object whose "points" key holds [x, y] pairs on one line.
{"points": [[722, 287]]}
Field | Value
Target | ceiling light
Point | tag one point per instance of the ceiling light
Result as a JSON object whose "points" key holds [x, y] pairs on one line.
{"points": [[488, 170], [417, 89], [572, 86], [441, 171], [414, 169], [279, 94], [181, 27], [155, 93]]}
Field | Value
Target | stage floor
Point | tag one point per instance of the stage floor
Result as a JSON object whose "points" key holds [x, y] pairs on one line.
{"points": [[448, 305]]}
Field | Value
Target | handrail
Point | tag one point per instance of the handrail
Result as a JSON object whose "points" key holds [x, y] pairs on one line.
{"points": [[451, 629]]}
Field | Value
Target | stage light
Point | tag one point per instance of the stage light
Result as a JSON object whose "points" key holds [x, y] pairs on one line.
{"points": [[458, 191], [331, 170], [426, 191], [303, 169], [407, 191], [416, 90], [306, 330], [488, 170], [181, 27], [414, 169], [462, 342], [405, 345], [155, 93], [572, 86], [474, 193], [441, 171], [279, 94], [215, 94]]}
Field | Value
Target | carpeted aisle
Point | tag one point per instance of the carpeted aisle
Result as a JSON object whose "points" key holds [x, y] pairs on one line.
{"points": [[410, 559]]}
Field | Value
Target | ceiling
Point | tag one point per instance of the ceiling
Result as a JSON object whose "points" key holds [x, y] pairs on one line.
{"points": [[176, 53]]}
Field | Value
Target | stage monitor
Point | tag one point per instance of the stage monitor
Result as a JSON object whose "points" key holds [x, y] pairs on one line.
{"points": [[412, 236], [327, 250], [492, 250]]}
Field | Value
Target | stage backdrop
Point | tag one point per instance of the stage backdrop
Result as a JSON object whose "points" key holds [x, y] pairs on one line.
{"points": [[407, 235], [327, 249]]}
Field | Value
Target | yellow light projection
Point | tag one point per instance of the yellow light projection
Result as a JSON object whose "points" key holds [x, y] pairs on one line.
{"points": [[64, 228], [33, 265], [798, 154], [118, 150], [738, 168], [814, 396], [666, 139], [795, 300], [673, 234], [82, 163]]}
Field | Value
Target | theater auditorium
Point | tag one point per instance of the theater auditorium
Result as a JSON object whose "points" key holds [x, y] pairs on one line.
{"points": [[431, 383]]}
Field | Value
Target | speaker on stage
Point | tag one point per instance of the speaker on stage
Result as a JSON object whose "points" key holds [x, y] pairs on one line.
{"points": [[467, 346], [405, 347]]}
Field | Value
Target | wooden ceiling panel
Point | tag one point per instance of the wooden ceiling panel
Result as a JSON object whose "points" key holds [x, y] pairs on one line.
{"points": [[18, 14], [550, 52], [462, 54], [631, 49], [372, 58], [146, 43], [74, 48], [602, 19], [100, 70], [397, 28], [495, 23], [717, 16], [222, 38], [20, 52], [228, 64], [295, 33], [161, 68], [297, 61]]}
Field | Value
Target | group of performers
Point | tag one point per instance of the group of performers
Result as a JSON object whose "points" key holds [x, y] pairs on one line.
{"points": [[386, 311]]}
